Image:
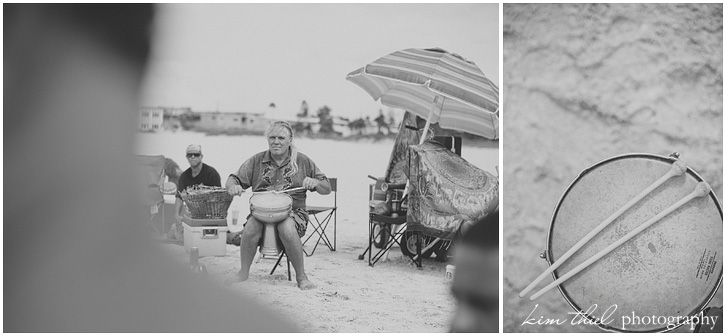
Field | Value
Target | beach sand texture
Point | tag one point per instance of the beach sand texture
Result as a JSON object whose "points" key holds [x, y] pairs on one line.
{"points": [[583, 83], [392, 296]]}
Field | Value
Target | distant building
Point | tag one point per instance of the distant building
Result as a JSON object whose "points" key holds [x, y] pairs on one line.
{"points": [[232, 121], [175, 112], [151, 118]]}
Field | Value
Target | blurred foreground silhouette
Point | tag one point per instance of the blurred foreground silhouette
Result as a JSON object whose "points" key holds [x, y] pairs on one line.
{"points": [[77, 255], [476, 278]]}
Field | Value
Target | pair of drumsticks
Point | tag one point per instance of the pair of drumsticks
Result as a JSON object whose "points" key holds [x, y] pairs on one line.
{"points": [[677, 169], [280, 191]]}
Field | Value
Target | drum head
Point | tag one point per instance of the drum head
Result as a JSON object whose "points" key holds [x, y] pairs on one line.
{"points": [[661, 276], [271, 201]]}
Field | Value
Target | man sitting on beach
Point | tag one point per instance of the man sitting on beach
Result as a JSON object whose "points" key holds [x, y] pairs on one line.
{"points": [[198, 173], [279, 168], [476, 278]]}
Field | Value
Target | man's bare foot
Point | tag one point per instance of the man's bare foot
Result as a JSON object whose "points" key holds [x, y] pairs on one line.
{"points": [[237, 277], [305, 284]]}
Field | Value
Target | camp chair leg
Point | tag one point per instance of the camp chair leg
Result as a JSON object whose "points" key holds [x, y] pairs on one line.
{"points": [[394, 227], [277, 263], [381, 253], [370, 242], [395, 230], [319, 227], [321, 234], [325, 238], [395, 239]]}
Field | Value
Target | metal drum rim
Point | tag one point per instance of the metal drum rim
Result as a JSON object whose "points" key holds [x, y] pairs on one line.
{"points": [[548, 251]]}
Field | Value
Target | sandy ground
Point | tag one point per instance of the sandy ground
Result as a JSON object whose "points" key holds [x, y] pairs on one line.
{"points": [[584, 83], [392, 296]]}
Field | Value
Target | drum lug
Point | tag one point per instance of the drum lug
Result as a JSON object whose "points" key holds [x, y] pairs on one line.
{"points": [[675, 155], [543, 255]]}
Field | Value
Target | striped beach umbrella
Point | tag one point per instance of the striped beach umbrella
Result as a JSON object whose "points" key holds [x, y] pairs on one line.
{"points": [[437, 85]]}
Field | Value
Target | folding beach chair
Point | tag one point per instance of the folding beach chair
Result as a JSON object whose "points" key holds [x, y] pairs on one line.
{"points": [[150, 177], [320, 218], [395, 231]]}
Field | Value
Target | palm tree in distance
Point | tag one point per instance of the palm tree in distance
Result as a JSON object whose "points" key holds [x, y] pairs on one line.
{"points": [[326, 120]]}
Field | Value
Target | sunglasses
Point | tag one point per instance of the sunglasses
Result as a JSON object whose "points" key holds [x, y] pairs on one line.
{"points": [[194, 155]]}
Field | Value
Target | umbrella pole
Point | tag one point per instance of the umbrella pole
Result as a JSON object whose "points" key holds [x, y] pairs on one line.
{"points": [[438, 104], [426, 128], [421, 141]]}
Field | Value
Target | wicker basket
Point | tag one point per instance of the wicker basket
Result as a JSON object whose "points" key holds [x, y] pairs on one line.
{"points": [[207, 202]]}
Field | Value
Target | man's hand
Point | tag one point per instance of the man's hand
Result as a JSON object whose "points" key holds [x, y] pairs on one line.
{"points": [[310, 183], [235, 190], [178, 218]]}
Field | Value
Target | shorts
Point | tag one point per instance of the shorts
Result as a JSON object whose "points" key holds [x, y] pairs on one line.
{"points": [[300, 216]]}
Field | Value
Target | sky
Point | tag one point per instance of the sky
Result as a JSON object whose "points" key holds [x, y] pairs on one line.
{"points": [[243, 57]]}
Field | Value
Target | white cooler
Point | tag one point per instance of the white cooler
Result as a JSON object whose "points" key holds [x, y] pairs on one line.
{"points": [[211, 240]]}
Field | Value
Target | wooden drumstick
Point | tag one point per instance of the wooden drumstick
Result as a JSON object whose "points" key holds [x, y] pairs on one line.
{"points": [[677, 169], [702, 189]]}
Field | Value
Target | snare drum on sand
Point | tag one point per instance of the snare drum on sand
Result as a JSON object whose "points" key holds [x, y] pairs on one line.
{"points": [[666, 273]]}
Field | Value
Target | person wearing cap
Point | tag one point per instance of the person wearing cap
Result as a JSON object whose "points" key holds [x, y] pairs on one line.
{"points": [[198, 173], [280, 167]]}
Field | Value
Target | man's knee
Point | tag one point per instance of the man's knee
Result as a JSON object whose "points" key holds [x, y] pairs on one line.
{"points": [[252, 230], [287, 229]]}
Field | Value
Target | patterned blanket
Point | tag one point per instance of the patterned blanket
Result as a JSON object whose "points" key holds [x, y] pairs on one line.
{"points": [[446, 192]]}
